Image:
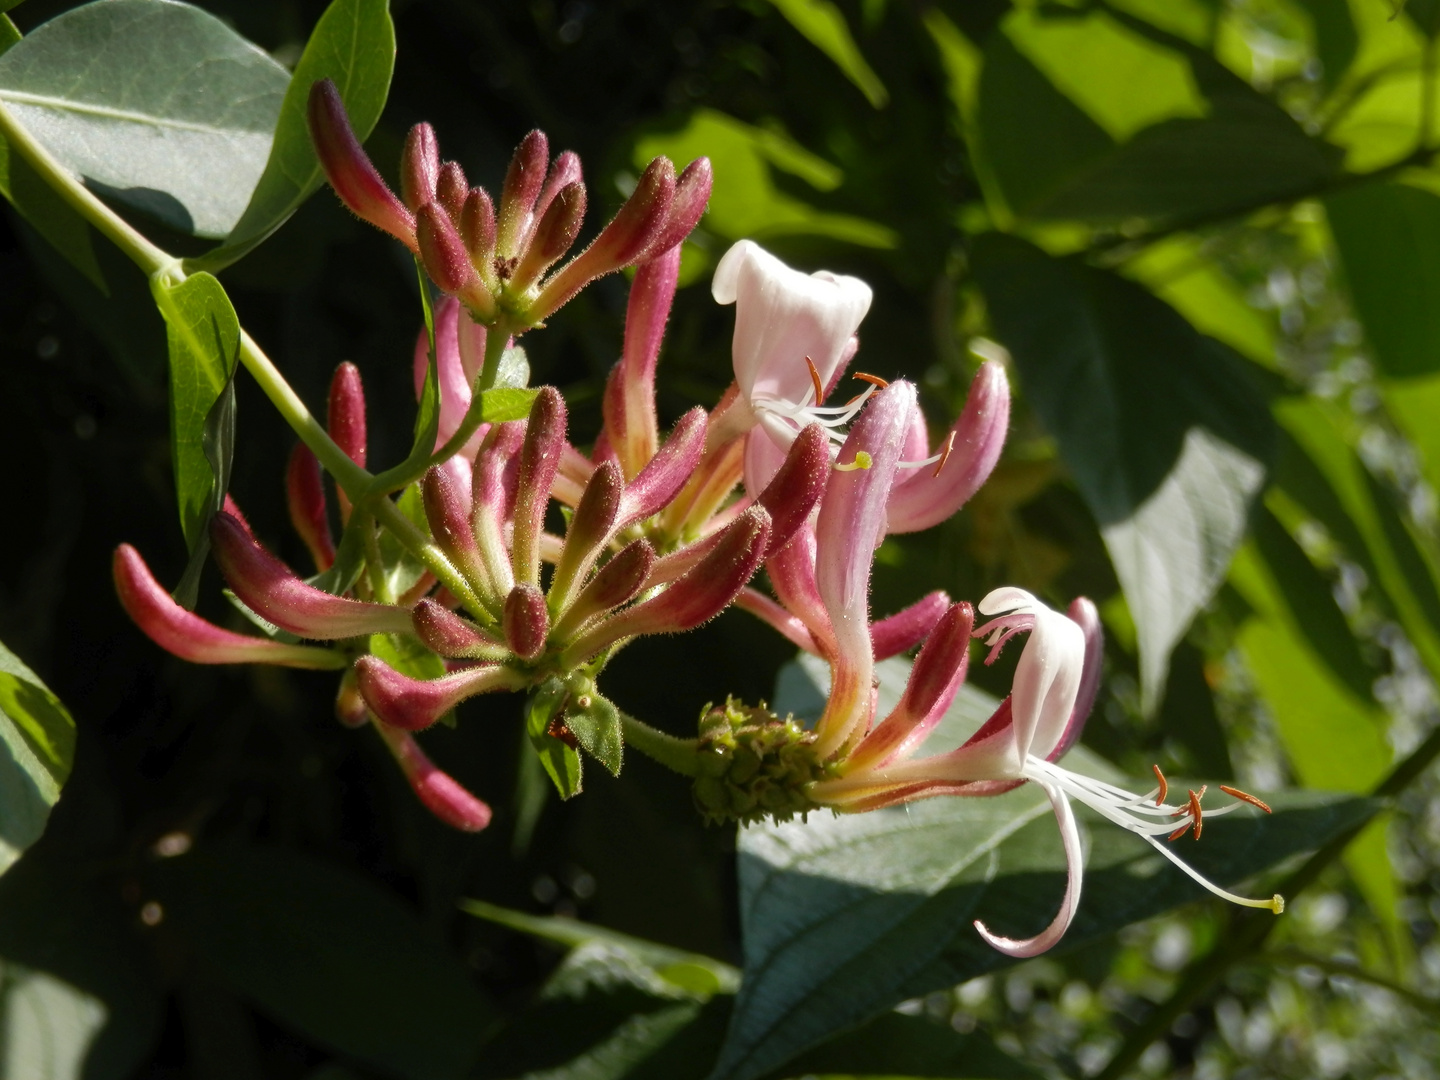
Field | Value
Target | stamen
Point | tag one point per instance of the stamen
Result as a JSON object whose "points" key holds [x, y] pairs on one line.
{"points": [[815, 380], [1164, 785], [1245, 796], [873, 379], [1195, 810], [1181, 831], [945, 454], [862, 461]]}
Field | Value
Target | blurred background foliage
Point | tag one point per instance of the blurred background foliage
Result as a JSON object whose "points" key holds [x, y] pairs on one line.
{"points": [[1207, 234]]}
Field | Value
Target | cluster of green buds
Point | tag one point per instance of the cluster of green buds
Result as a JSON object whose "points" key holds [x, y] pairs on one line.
{"points": [[752, 765]]}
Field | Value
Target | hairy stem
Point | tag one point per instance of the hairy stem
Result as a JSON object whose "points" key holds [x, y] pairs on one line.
{"points": [[679, 755]]}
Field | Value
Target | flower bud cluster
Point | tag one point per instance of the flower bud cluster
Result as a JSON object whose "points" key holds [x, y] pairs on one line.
{"points": [[500, 260]]}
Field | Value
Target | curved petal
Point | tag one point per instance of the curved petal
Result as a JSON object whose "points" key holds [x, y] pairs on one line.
{"points": [[1075, 862], [1047, 679], [450, 369]]}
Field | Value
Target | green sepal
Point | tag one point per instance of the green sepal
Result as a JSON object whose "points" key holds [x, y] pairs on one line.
{"points": [[562, 762]]}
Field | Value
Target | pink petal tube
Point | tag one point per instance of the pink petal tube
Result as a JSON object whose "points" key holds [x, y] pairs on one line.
{"points": [[452, 636], [629, 406], [349, 170], [415, 704], [907, 627], [924, 498], [614, 584], [271, 589], [667, 472], [797, 486], [523, 180], [539, 460], [439, 791], [192, 638], [305, 499], [419, 167]]}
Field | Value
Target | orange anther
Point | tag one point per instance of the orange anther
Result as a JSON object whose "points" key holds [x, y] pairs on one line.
{"points": [[1181, 831], [815, 380], [945, 454], [1195, 811], [1164, 786], [873, 379], [1245, 796]]}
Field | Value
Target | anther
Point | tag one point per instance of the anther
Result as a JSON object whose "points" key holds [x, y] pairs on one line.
{"points": [[1195, 811], [1181, 831], [815, 380], [874, 380], [1164, 784], [945, 454], [1245, 796]]}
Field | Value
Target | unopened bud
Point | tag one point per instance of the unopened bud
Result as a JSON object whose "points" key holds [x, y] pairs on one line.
{"points": [[477, 230], [539, 460], [796, 488], [629, 404], [415, 704], [349, 170], [454, 637], [908, 627], [345, 421], [442, 251], [447, 508], [526, 621], [271, 589], [523, 181], [594, 523], [564, 171], [350, 707], [692, 195], [305, 499], [667, 473], [419, 166], [452, 189], [439, 791], [617, 582], [553, 236]]}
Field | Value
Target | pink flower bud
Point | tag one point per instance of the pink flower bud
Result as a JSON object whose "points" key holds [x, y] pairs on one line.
{"points": [[694, 598], [539, 460], [564, 171], [523, 181], [350, 707], [526, 621], [447, 508], [796, 488], [553, 236], [451, 636], [631, 427], [305, 497], [192, 638], [929, 496], [452, 189], [493, 492], [271, 589], [616, 583], [692, 195], [349, 171], [668, 471], [345, 417], [439, 791], [419, 166], [415, 704], [620, 243], [908, 627], [596, 519], [445, 258]]}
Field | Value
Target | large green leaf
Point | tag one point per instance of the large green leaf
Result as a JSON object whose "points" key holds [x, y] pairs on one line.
{"points": [[1388, 237], [154, 103], [1102, 118], [824, 26], [329, 954], [844, 916], [353, 45], [203, 333], [55, 219], [1164, 433], [37, 747], [46, 1025]]}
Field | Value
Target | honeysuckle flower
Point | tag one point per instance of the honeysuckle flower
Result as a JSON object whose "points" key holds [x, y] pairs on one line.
{"points": [[1054, 689]]}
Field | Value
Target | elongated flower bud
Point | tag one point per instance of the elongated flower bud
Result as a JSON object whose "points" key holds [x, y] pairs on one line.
{"points": [[452, 636], [523, 181], [419, 166], [439, 791], [452, 189], [796, 488], [907, 627], [594, 523], [443, 252], [539, 460], [447, 508], [305, 499], [345, 416], [564, 171], [629, 405], [415, 704], [526, 621], [553, 236], [493, 497], [192, 638], [667, 473], [620, 243], [695, 597], [271, 589], [348, 169], [477, 229], [692, 195], [616, 582]]}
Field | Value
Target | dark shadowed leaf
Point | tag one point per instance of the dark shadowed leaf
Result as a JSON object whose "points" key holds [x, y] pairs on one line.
{"points": [[329, 954], [1160, 425], [186, 142], [37, 748]]}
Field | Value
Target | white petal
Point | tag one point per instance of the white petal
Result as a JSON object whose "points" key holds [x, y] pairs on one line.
{"points": [[1008, 598], [725, 285]]}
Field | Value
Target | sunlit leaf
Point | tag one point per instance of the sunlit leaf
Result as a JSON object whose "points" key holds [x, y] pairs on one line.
{"points": [[824, 26], [186, 142], [37, 748]]}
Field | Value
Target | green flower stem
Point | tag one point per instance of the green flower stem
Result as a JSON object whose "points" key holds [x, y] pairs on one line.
{"points": [[679, 755], [1248, 930], [495, 339]]}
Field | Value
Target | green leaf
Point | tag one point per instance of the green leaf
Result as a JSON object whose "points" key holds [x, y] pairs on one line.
{"points": [[329, 954], [824, 26], [9, 33], [186, 142], [843, 917], [353, 45], [1165, 435], [47, 1027], [37, 748], [504, 403], [1335, 39], [1188, 716], [217, 441], [562, 764], [1388, 237], [596, 727], [203, 333]]}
